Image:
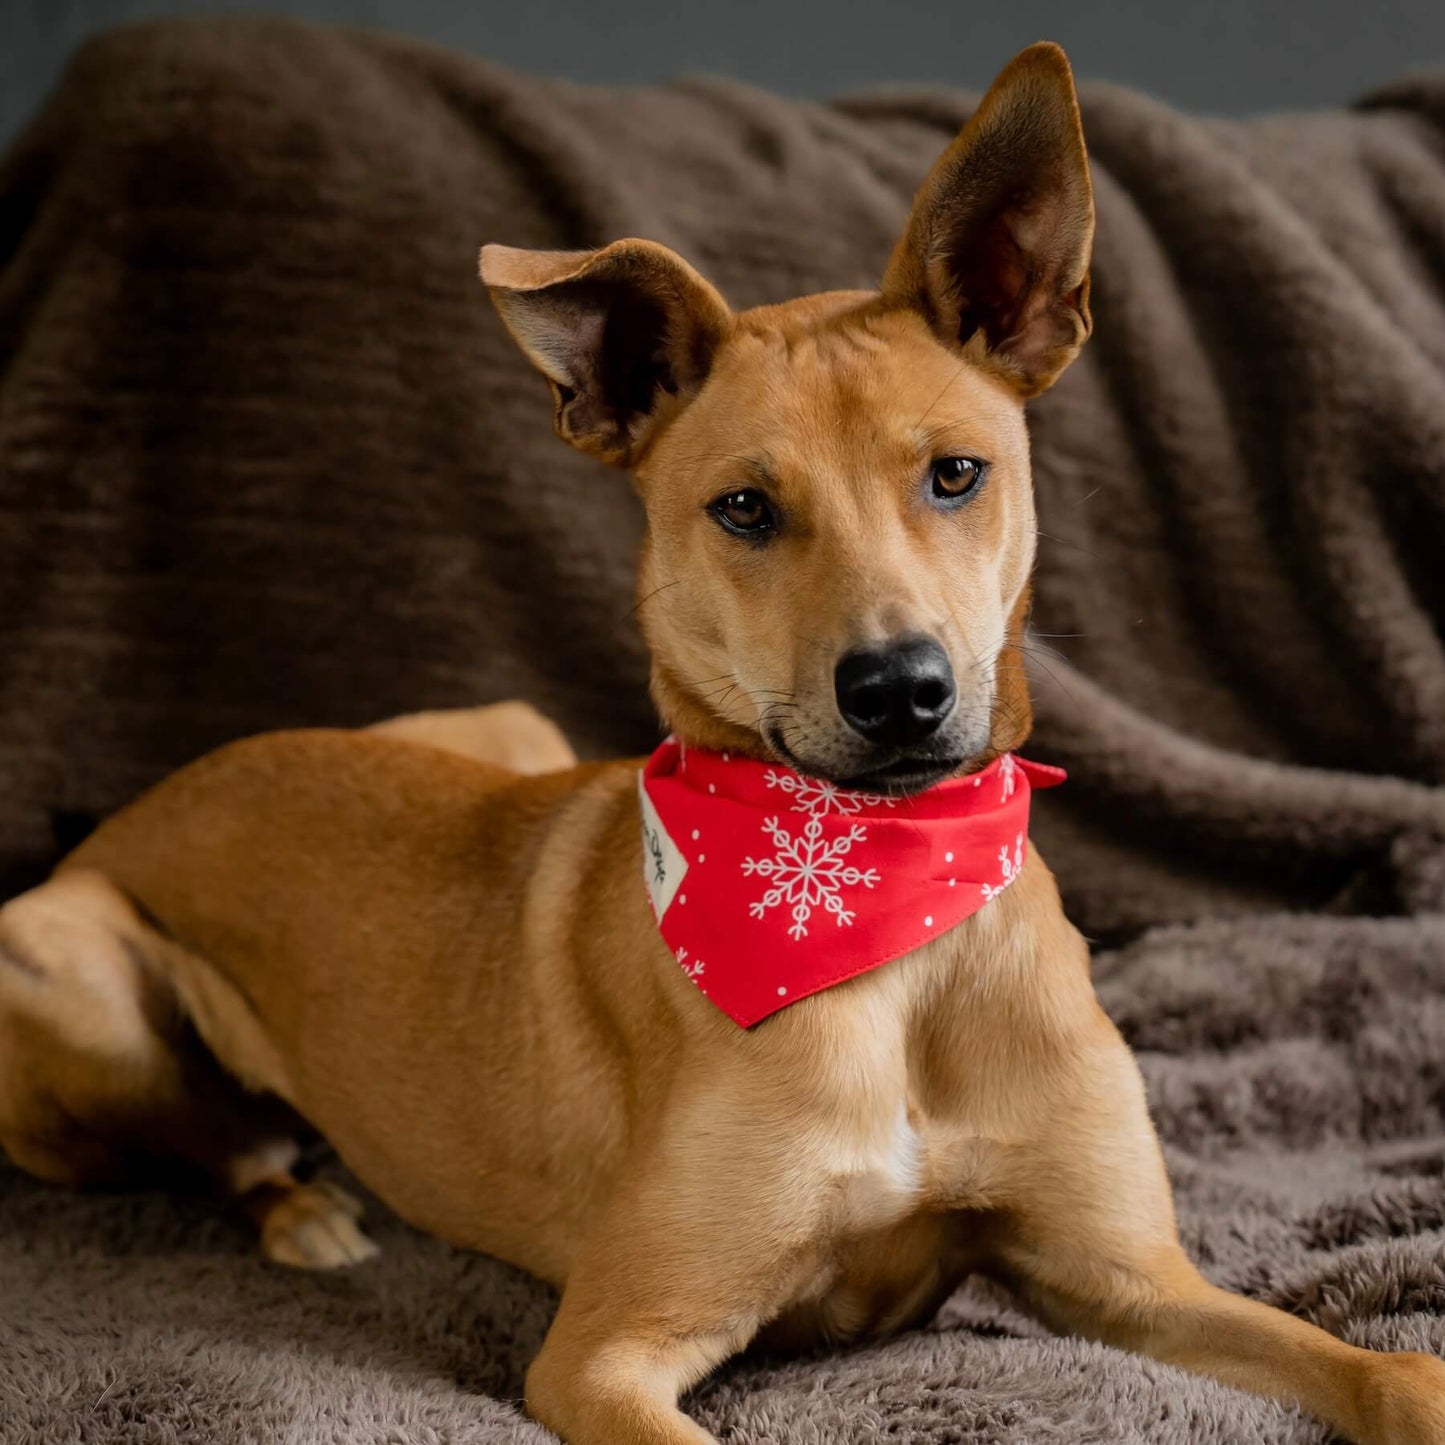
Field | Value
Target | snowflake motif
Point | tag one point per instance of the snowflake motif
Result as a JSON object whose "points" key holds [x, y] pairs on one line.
{"points": [[1009, 867], [1008, 775], [809, 872], [817, 797], [693, 970]]}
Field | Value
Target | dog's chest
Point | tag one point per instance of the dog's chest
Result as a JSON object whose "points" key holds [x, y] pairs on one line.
{"points": [[914, 1099], [893, 1243], [923, 1092], [914, 1163]]}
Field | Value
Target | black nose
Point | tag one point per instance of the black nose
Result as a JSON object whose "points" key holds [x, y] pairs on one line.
{"points": [[898, 694]]}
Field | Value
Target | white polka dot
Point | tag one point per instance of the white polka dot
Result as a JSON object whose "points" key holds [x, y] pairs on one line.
{"points": [[727, 757], [782, 992], [947, 857], [702, 857], [682, 897], [712, 787], [696, 835], [952, 881], [928, 922]]}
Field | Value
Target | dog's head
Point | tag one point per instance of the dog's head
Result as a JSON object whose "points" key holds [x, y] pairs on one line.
{"points": [[840, 513]]}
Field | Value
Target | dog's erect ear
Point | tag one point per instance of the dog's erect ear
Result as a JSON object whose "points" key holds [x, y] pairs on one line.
{"points": [[996, 253], [623, 335]]}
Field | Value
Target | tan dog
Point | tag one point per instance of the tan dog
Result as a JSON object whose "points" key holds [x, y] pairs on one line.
{"points": [[451, 969]]}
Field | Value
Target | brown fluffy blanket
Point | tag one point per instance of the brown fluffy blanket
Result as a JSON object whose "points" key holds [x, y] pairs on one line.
{"points": [[266, 458]]}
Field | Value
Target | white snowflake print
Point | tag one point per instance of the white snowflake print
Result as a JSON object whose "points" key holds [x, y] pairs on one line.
{"points": [[1009, 868], [817, 797], [1008, 776], [809, 872], [696, 969]]}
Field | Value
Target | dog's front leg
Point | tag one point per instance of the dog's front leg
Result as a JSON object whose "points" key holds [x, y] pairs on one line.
{"points": [[691, 1256], [612, 1368], [1162, 1307], [1091, 1243]]}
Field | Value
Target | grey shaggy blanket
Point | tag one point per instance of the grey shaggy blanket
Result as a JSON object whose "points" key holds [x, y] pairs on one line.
{"points": [[266, 458]]}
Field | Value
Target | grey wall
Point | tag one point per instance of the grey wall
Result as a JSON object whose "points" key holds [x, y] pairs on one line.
{"points": [[1219, 56]]}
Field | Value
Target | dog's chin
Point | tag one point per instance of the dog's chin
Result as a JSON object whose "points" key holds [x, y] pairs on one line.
{"points": [[890, 776], [901, 778]]}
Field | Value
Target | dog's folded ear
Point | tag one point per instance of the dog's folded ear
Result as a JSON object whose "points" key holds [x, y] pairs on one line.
{"points": [[996, 252], [624, 335]]}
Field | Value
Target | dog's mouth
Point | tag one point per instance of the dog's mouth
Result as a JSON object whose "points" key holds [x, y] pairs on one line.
{"points": [[903, 777], [899, 777]]}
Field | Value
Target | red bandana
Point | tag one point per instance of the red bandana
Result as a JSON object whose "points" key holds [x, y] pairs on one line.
{"points": [[769, 886]]}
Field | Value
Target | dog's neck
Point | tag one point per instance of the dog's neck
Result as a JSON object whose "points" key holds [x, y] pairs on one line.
{"points": [[694, 723]]}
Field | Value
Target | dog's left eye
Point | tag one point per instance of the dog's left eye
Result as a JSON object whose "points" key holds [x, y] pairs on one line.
{"points": [[953, 478], [745, 512]]}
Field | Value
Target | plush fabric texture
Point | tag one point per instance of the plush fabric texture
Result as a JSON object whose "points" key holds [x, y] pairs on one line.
{"points": [[267, 458]]}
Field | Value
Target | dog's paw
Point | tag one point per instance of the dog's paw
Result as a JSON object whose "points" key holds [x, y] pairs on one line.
{"points": [[315, 1226], [1405, 1401]]}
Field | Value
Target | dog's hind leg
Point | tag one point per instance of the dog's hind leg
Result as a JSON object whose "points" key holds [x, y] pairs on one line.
{"points": [[104, 1079], [512, 735]]}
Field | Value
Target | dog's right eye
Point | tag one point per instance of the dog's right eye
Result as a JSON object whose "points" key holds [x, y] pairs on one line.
{"points": [[745, 512]]}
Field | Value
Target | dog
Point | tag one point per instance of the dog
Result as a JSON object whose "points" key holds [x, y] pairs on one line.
{"points": [[431, 942]]}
